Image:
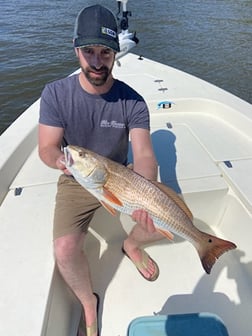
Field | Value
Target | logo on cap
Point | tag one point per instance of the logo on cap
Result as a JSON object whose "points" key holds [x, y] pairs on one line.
{"points": [[109, 32]]}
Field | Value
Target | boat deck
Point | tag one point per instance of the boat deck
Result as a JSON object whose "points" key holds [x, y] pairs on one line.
{"points": [[204, 151]]}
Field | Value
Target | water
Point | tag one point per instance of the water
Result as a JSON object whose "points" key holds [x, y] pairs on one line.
{"points": [[211, 39]]}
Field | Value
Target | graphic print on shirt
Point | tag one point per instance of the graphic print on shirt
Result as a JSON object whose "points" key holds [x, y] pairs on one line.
{"points": [[111, 124]]}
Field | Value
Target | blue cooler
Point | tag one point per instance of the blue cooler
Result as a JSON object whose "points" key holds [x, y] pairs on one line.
{"points": [[197, 324]]}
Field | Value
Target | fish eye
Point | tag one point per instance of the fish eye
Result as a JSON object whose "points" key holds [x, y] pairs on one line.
{"points": [[81, 154]]}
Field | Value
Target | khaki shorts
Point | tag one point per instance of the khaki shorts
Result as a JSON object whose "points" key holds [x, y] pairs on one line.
{"points": [[74, 207]]}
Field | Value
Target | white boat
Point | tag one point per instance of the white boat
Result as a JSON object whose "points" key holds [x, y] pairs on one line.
{"points": [[202, 136]]}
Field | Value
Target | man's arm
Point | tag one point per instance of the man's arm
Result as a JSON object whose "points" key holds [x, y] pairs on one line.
{"points": [[144, 159], [49, 140], [145, 164]]}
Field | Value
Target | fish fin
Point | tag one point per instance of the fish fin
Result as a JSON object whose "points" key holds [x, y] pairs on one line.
{"points": [[167, 234], [111, 197], [212, 249], [109, 208], [175, 197]]}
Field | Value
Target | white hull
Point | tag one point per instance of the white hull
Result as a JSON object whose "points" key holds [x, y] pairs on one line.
{"points": [[197, 140]]}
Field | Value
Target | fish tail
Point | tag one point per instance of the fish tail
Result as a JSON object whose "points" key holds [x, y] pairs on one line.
{"points": [[212, 249]]}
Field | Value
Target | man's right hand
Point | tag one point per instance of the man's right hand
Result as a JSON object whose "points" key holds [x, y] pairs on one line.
{"points": [[61, 164]]}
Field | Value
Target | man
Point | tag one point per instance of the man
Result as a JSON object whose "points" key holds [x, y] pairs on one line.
{"points": [[95, 111]]}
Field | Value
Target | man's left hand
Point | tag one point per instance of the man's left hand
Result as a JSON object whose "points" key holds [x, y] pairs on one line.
{"points": [[142, 218]]}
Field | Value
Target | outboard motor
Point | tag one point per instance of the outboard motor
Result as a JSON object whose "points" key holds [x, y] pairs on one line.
{"points": [[127, 40]]}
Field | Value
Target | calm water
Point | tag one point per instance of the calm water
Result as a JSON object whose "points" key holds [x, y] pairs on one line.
{"points": [[211, 39]]}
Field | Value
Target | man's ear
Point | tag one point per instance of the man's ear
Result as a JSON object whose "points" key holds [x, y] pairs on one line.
{"points": [[76, 52]]}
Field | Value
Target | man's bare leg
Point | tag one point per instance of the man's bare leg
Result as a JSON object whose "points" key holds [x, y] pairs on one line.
{"points": [[74, 268]]}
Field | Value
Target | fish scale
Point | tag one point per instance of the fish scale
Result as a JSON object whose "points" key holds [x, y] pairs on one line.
{"points": [[151, 199], [120, 188]]}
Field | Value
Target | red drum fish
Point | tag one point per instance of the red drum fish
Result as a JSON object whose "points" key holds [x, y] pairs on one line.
{"points": [[120, 188]]}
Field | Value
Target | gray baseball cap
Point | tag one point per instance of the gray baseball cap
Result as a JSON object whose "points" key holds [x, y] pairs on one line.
{"points": [[96, 25]]}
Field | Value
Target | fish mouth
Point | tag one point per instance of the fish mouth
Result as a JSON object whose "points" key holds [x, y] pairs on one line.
{"points": [[68, 157]]}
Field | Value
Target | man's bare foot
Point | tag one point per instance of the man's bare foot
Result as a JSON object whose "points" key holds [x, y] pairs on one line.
{"points": [[143, 262]]}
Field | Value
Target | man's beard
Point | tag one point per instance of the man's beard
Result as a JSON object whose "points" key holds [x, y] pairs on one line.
{"points": [[96, 81]]}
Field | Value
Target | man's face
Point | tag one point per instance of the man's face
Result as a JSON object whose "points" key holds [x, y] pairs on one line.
{"points": [[96, 63]]}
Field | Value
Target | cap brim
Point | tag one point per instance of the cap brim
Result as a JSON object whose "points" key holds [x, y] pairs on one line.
{"points": [[83, 42]]}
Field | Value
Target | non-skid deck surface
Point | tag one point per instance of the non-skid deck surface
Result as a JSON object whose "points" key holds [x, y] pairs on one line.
{"points": [[182, 286], [197, 146], [27, 263], [239, 175], [34, 173]]}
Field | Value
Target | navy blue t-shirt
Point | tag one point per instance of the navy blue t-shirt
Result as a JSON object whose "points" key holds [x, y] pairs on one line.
{"points": [[97, 122]]}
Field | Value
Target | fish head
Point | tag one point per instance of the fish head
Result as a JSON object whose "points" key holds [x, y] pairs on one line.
{"points": [[85, 167]]}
